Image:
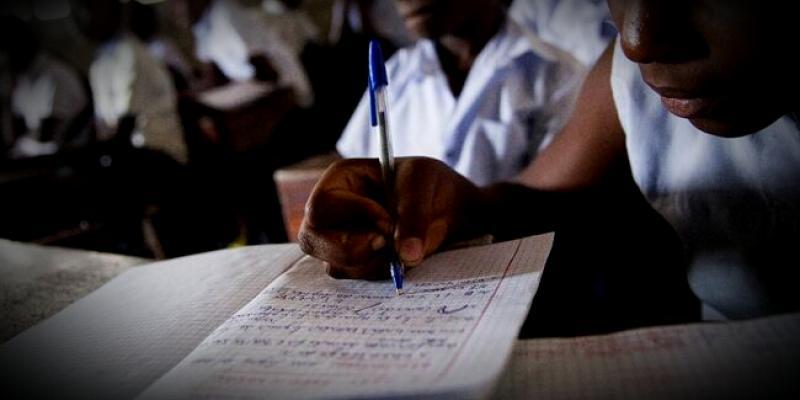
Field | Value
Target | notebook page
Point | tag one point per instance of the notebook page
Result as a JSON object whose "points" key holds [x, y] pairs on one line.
{"points": [[310, 336], [117, 340], [749, 359]]}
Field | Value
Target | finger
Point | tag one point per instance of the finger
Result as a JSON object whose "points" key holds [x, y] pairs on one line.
{"points": [[348, 195], [347, 248], [341, 209], [356, 175], [421, 225], [413, 248]]}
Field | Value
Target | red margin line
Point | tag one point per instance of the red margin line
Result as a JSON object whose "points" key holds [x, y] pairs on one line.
{"points": [[483, 312]]}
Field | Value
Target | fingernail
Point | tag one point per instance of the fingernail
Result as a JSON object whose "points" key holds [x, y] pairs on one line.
{"points": [[411, 250], [377, 243]]}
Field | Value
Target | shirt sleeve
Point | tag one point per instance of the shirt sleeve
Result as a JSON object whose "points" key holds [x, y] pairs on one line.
{"points": [[562, 80], [261, 39], [356, 140]]}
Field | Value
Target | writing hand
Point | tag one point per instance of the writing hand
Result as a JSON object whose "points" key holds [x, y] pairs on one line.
{"points": [[347, 222]]}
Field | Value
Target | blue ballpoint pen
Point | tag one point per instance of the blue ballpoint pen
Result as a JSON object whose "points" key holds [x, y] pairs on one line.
{"points": [[378, 83]]}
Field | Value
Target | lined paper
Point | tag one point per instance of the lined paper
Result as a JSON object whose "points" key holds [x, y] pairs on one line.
{"points": [[116, 341], [749, 359], [310, 336]]}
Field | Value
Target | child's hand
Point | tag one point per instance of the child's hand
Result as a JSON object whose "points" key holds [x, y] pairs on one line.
{"points": [[347, 223]]}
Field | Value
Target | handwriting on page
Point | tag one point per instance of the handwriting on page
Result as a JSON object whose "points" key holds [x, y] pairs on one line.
{"points": [[293, 333], [308, 335], [428, 319]]}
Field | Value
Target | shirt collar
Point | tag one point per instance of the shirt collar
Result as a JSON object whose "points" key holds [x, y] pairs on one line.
{"points": [[509, 43]]}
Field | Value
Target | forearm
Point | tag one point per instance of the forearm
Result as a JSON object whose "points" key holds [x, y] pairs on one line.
{"points": [[511, 210]]}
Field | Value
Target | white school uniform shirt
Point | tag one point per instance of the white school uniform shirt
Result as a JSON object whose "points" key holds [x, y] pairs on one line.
{"points": [[517, 95], [126, 79], [228, 34], [582, 28], [48, 88], [734, 201]]}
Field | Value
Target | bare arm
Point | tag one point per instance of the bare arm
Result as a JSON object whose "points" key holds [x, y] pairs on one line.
{"points": [[591, 144], [583, 172]]}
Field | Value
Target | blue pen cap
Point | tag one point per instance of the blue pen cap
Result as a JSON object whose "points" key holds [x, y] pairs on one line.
{"points": [[377, 70], [377, 78], [373, 109]]}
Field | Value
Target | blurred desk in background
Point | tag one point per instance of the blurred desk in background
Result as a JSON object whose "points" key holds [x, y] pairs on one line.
{"points": [[240, 116], [294, 184]]}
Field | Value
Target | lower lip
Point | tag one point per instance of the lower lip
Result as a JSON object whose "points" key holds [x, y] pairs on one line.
{"points": [[687, 108]]}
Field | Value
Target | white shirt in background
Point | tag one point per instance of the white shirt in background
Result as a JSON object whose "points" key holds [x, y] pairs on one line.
{"points": [[582, 28], [126, 79], [48, 89], [517, 95], [228, 34]]}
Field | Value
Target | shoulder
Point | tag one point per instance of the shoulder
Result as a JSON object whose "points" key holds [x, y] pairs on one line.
{"points": [[579, 27], [545, 70], [411, 63]]}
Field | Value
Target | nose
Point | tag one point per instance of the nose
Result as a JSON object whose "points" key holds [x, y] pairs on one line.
{"points": [[660, 31]]}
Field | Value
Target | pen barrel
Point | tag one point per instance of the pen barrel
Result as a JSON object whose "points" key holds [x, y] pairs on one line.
{"points": [[385, 152], [386, 158]]}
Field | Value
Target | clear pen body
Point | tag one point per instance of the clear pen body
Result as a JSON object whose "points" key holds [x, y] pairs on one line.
{"points": [[386, 158], [385, 152]]}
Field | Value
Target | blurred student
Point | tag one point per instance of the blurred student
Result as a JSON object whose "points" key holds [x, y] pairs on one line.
{"points": [[376, 18], [477, 91], [145, 23], [237, 41], [47, 99], [673, 118], [292, 22], [134, 98]]}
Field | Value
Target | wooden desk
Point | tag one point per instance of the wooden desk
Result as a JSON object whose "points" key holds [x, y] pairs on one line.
{"points": [[294, 184], [243, 114]]}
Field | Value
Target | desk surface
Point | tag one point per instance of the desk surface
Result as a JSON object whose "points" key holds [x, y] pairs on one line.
{"points": [[39, 281], [753, 358]]}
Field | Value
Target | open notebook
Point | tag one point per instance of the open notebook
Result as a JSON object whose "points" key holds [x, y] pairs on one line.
{"points": [[267, 322], [758, 358]]}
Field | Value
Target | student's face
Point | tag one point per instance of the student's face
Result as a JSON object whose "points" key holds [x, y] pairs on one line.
{"points": [[727, 66], [434, 18]]}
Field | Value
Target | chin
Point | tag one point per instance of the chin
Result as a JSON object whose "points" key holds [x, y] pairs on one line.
{"points": [[733, 127], [720, 128]]}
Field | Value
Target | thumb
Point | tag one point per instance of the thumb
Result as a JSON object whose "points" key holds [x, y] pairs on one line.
{"points": [[417, 235], [422, 208]]}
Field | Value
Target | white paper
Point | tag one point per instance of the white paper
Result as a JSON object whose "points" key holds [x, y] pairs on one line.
{"points": [[117, 340], [310, 336], [750, 359]]}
